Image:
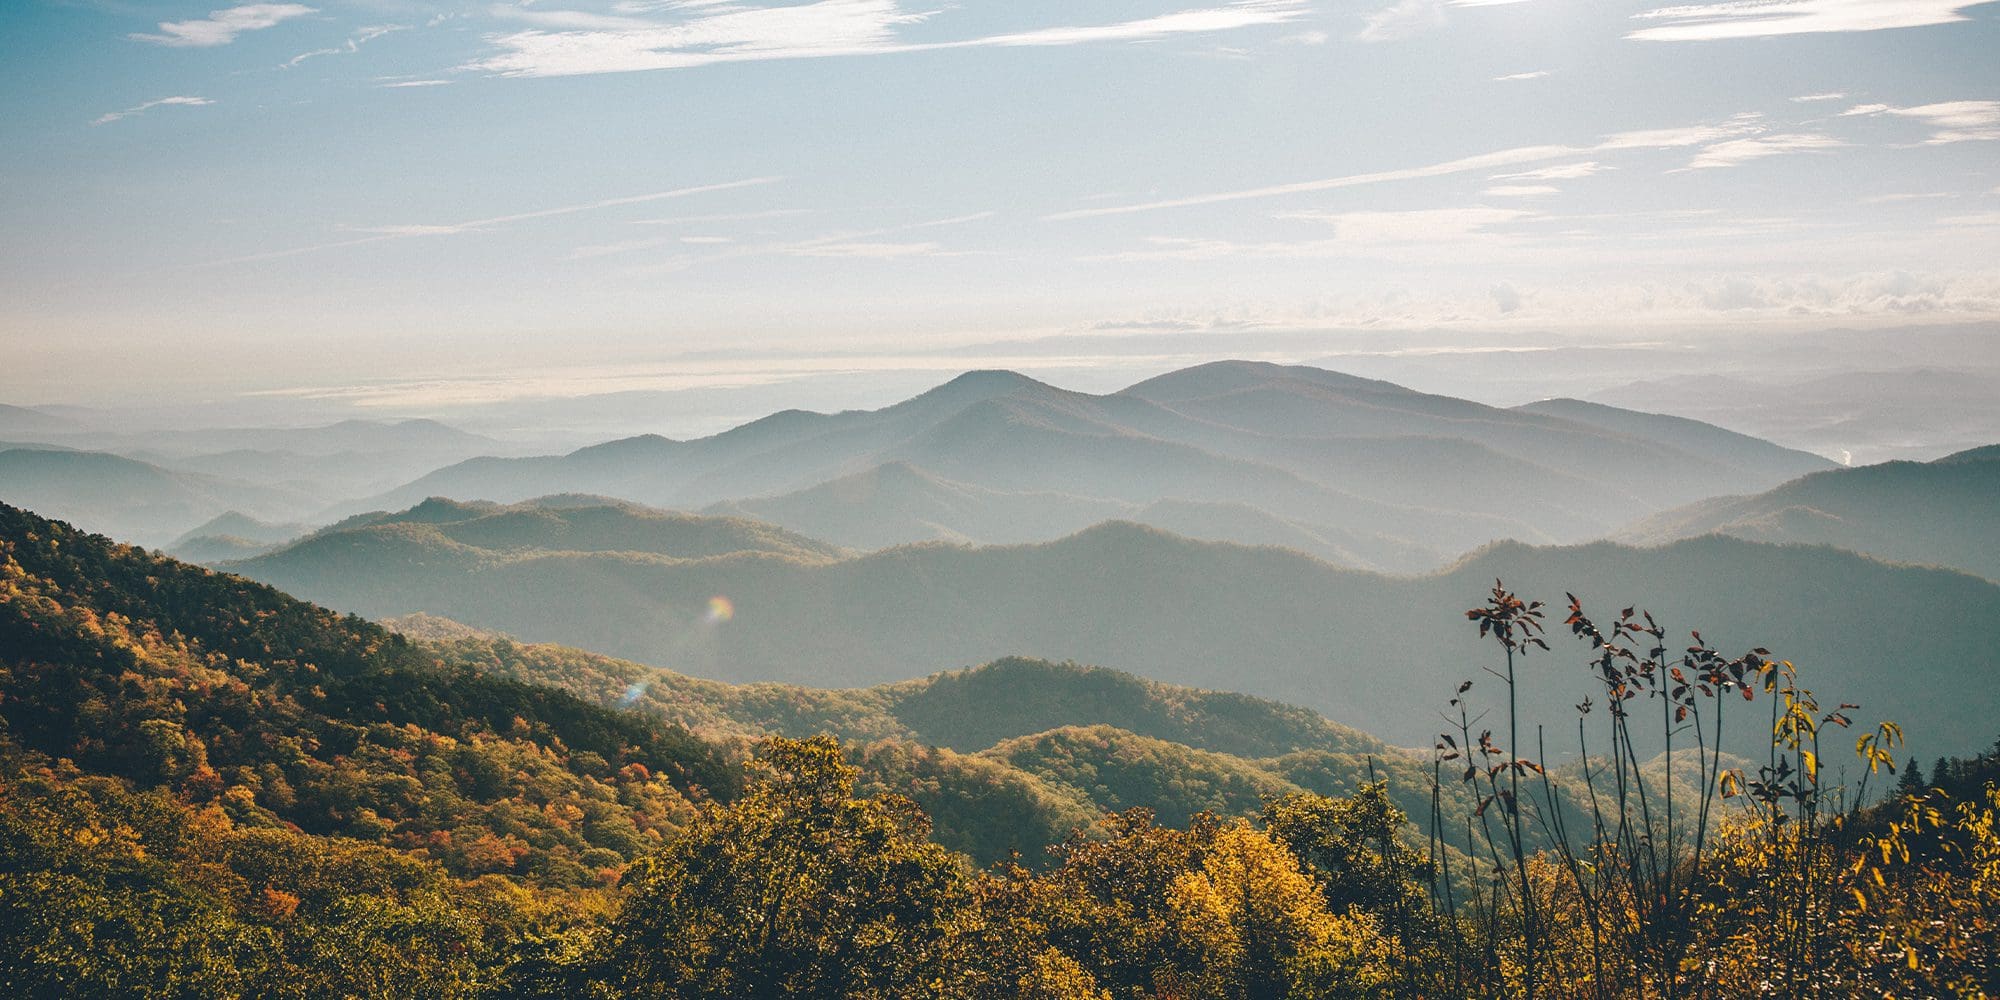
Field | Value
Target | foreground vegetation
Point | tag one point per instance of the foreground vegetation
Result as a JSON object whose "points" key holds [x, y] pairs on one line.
{"points": [[207, 789]]}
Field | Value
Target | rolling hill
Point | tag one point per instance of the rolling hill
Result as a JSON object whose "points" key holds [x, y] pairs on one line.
{"points": [[1941, 513]]}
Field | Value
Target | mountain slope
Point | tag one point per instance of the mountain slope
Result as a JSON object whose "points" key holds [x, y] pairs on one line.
{"points": [[1942, 513], [225, 691], [1751, 456]]}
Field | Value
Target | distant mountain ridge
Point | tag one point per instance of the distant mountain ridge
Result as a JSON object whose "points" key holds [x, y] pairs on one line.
{"points": [[133, 500], [186, 477], [1358, 470]]}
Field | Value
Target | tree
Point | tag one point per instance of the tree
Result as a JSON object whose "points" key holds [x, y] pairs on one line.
{"points": [[798, 889], [1912, 781]]}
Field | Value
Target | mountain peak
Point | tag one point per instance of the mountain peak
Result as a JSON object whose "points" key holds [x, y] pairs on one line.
{"points": [[1219, 377]]}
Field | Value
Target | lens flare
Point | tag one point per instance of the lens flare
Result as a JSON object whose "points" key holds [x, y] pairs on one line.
{"points": [[720, 609], [633, 693]]}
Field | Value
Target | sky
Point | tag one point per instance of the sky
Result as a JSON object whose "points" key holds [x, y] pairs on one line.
{"points": [[426, 205]]}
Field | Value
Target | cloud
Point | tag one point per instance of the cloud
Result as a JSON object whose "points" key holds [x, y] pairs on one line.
{"points": [[769, 213], [873, 251], [1424, 225], [721, 33], [1955, 121], [1888, 199], [1535, 75], [222, 26], [1561, 172], [1506, 298], [354, 44], [140, 109], [1765, 18], [1832, 95], [1521, 190], [379, 234], [1667, 138], [1405, 19], [1737, 151], [419, 83]]}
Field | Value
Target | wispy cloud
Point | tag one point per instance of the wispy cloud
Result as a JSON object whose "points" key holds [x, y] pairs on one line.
{"points": [[1668, 138], [418, 83], [140, 109], [874, 251], [1955, 121], [1521, 190], [1403, 19], [379, 234], [1738, 151], [1831, 95], [222, 26], [352, 45], [1424, 225], [880, 243], [1534, 75], [1765, 18], [1415, 235], [1560, 172], [568, 43], [686, 220], [1890, 199]]}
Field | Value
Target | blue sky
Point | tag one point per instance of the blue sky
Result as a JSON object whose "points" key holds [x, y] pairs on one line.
{"points": [[572, 197]]}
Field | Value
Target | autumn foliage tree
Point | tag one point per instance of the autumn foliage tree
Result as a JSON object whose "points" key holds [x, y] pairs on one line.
{"points": [[797, 889]]}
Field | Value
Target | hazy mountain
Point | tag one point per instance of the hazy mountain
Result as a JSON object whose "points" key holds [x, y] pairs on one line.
{"points": [[131, 500], [240, 525], [1379, 651], [1942, 513], [898, 504], [1378, 474], [348, 458], [233, 535], [22, 421], [1754, 457], [1985, 453], [1857, 417]]}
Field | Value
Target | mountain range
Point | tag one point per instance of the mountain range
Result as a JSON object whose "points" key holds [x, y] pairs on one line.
{"points": [[1363, 472], [1369, 649]]}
